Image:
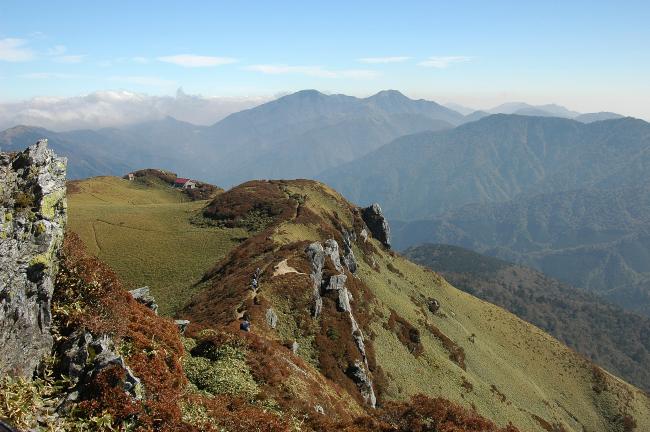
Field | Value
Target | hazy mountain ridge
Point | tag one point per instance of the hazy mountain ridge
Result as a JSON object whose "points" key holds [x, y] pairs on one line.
{"points": [[495, 159], [325, 130], [606, 334], [594, 239]]}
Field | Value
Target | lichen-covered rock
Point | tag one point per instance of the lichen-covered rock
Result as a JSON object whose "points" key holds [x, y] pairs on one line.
{"points": [[343, 303], [316, 255], [331, 249], [271, 318], [348, 256], [357, 371], [336, 282], [84, 356], [376, 223], [143, 295], [32, 223], [182, 325]]}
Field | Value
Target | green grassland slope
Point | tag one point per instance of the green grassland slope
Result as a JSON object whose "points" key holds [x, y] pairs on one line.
{"points": [[468, 351], [606, 334], [142, 229]]}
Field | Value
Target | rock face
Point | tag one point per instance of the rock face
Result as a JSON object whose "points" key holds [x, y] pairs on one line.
{"points": [[377, 224], [317, 253], [32, 223], [358, 373]]}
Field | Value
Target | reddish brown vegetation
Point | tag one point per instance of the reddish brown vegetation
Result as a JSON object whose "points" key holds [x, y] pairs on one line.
{"points": [[408, 335], [265, 197], [106, 308], [548, 426], [421, 414], [456, 353]]}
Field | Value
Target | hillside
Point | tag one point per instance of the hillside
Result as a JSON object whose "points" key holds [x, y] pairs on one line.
{"points": [[495, 159], [592, 239], [467, 351], [605, 334], [298, 135], [143, 230]]}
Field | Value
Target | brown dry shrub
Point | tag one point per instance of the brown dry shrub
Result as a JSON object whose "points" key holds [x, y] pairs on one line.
{"points": [[408, 335], [420, 414], [102, 306], [265, 197], [456, 352]]}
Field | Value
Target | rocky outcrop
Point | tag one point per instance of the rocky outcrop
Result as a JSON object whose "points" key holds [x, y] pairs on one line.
{"points": [[143, 295], [83, 356], [377, 224], [331, 249], [348, 256], [359, 375], [271, 318], [317, 253], [32, 223], [182, 324]]}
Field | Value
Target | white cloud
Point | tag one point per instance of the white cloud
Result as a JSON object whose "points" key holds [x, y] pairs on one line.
{"points": [[118, 108], [57, 50], [443, 62], [313, 71], [379, 60], [140, 60], [15, 50], [49, 75], [69, 59], [190, 60], [144, 80]]}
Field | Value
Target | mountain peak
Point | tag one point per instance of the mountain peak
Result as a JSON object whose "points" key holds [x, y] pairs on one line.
{"points": [[388, 95], [304, 94]]}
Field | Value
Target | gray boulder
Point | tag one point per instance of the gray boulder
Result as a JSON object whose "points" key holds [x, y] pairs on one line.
{"points": [[182, 325], [358, 373], [344, 300], [336, 283], [348, 254], [32, 223], [84, 356], [376, 223], [271, 318], [331, 249], [143, 295], [316, 255]]}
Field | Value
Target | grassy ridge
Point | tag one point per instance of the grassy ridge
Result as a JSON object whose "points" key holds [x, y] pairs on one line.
{"points": [[470, 352], [144, 233]]}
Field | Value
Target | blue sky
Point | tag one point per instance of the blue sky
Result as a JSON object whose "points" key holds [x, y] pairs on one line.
{"points": [[587, 55]]}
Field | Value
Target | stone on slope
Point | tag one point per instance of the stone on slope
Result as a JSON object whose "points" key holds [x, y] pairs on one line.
{"points": [[377, 224], [143, 295]]}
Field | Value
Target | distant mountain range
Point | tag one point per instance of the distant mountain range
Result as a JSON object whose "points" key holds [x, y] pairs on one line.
{"points": [[521, 108], [298, 135], [495, 159], [421, 161], [604, 333]]}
